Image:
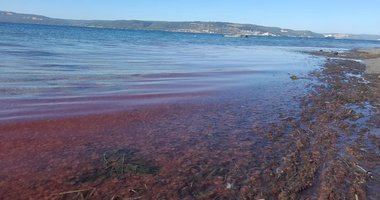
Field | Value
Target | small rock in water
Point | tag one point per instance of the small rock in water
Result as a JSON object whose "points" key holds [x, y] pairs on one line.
{"points": [[294, 77]]}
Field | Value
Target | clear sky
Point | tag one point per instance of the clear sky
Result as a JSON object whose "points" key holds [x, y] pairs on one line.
{"points": [[343, 16]]}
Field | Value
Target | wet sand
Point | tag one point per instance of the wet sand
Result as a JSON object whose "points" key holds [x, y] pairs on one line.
{"points": [[321, 142], [371, 57], [373, 66]]}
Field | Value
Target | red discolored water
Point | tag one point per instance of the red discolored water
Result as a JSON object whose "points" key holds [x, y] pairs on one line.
{"points": [[202, 142]]}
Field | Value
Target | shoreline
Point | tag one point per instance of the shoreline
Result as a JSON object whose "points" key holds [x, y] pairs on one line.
{"points": [[355, 87], [371, 57], [328, 148]]}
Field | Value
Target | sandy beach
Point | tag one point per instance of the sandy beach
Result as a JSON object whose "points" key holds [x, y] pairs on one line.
{"points": [[373, 65]]}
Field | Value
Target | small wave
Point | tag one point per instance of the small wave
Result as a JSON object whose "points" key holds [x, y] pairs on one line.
{"points": [[32, 53], [4, 44]]}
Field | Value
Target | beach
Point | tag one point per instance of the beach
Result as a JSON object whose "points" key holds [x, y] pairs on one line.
{"points": [[329, 151], [168, 119], [373, 65]]}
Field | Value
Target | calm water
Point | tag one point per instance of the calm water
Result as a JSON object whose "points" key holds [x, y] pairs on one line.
{"points": [[45, 67]]}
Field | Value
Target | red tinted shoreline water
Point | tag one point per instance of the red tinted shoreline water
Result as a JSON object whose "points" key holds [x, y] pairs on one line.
{"points": [[40, 157]]}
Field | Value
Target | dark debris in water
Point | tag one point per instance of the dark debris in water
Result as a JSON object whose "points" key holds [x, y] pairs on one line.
{"points": [[294, 77], [116, 164], [125, 160], [84, 194]]}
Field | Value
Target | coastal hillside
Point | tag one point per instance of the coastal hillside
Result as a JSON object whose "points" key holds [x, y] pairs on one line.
{"points": [[225, 28], [230, 29]]}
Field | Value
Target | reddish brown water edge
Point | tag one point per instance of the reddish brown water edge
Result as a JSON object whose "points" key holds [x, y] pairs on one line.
{"points": [[177, 148], [277, 142]]}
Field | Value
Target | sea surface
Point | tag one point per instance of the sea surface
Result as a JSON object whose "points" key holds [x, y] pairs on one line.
{"points": [[50, 70]]}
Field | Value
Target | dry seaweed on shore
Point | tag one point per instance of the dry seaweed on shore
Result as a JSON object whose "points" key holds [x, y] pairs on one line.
{"points": [[328, 153], [333, 110]]}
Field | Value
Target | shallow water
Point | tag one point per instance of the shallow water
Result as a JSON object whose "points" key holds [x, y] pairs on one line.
{"points": [[46, 70]]}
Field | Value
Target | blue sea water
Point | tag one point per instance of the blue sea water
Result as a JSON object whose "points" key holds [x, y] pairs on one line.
{"points": [[44, 63]]}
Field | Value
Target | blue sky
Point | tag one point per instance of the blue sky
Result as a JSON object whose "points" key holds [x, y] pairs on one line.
{"points": [[344, 16]]}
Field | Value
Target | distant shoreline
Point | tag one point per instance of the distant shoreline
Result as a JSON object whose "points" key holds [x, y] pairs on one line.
{"points": [[223, 28], [185, 33]]}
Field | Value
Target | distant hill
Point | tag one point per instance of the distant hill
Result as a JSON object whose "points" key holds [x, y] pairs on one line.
{"points": [[230, 29]]}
